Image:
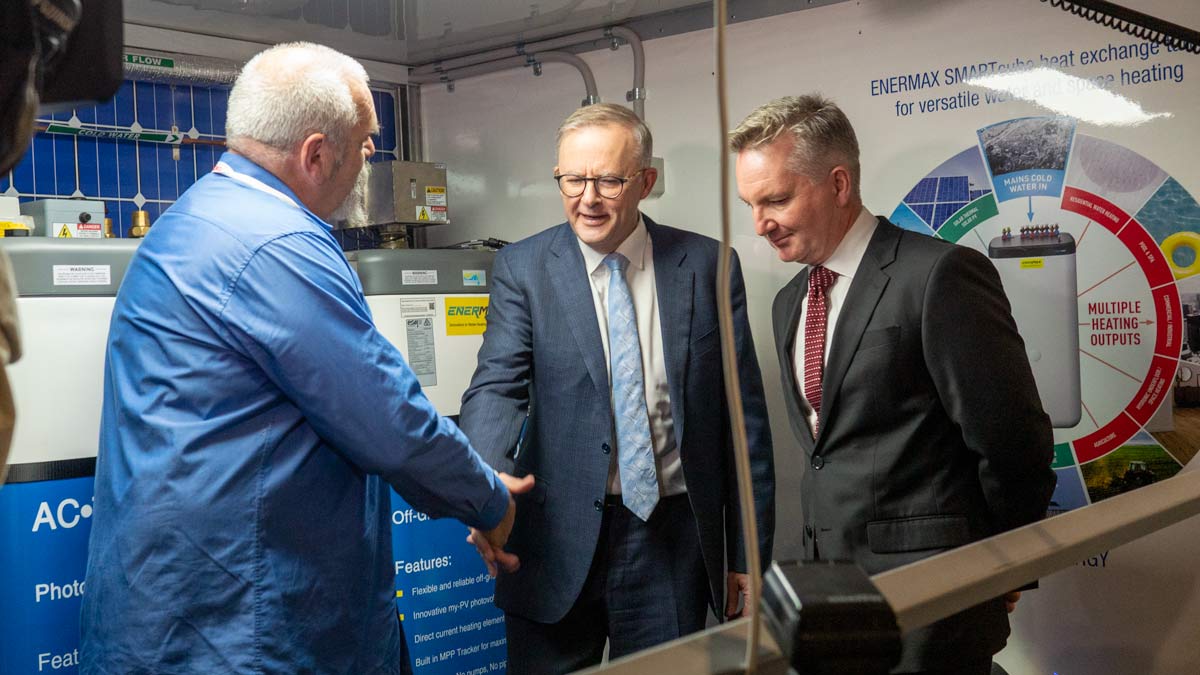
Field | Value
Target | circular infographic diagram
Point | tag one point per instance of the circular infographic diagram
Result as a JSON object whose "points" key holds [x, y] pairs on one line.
{"points": [[1099, 252]]}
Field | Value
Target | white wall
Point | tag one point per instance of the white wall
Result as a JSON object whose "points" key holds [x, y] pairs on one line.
{"points": [[496, 133]]}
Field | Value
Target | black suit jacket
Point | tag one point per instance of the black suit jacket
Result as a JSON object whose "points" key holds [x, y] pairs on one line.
{"points": [[932, 434]]}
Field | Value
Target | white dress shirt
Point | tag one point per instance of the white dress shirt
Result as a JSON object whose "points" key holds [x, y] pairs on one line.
{"points": [[844, 261], [638, 249]]}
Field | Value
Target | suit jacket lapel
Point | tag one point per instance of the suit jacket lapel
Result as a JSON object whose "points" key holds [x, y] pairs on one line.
{"points": [[867, 287], [674, 285], [576, 305], [786, 341]]}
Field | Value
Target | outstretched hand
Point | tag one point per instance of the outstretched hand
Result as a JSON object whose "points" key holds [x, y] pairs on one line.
{"points": [[490, 543]]}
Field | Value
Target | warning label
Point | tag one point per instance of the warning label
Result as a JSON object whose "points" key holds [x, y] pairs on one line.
{"points": [[82, 275], [418, 277], [432, 214], [435, 195], [89, 231], [418, 313]]}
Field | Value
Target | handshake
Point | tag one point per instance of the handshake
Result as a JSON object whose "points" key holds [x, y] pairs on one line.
{"points": [[490, 544]]}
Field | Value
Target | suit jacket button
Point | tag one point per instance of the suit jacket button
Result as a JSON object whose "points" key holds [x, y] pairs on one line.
{"points": [[818, 461], [605, 447], [599, 504]]}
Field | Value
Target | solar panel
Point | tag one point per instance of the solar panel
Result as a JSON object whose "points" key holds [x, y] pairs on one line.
{"points": [[925, 211], [943, 211], [934, 200], [953, 189], [923, 192]]}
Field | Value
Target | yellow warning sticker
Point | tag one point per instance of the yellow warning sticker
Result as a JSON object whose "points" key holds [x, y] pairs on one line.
{"points": [[423, 214], [65, 232], [1033, 263], [435, 195], [466, 316]]}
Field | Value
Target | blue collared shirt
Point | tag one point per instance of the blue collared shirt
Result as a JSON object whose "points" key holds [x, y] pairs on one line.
{"points": [[253, 419]]}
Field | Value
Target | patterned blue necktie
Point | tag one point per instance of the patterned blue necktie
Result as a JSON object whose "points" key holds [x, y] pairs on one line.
{"points": [[635, 452]]}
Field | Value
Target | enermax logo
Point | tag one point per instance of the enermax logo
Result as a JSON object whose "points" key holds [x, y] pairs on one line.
{"points": [[475, 311]]}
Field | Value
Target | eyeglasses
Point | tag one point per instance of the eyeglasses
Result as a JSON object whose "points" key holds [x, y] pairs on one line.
{"points": [[609, 187]]}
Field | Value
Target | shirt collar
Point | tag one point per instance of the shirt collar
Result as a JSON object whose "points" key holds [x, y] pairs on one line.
{"points": [[245, 165], [853, 247], [633, 248]]}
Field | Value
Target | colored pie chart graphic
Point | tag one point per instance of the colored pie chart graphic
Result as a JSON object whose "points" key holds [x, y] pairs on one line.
{"points": [[1099, 252]]}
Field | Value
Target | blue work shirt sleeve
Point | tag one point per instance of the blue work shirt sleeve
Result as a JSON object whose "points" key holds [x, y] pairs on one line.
{"points": [[297, 312]]}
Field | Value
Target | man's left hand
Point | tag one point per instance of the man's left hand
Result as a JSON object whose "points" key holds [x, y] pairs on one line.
{"points": [[737, 590], [1010, 600]]}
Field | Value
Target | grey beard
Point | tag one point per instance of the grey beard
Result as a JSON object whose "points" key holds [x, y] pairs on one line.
{"points": [[352, 212]]}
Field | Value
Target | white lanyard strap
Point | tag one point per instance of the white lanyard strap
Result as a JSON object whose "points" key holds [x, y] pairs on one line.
{"points": [[250, 181]]}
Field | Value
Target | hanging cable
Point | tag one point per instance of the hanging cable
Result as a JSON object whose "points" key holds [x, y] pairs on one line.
{"points": [[733, 391], [1132, 22]]}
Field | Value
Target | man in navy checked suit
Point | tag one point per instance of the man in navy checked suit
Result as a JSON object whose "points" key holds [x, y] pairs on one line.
{"points": [[633, 557]]}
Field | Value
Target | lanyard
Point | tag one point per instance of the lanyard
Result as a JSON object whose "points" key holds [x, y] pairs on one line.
{"points": [[250, 181]]}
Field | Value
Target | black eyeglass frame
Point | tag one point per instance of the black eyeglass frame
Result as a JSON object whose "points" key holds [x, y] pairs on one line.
{"points": [[595, 180]]}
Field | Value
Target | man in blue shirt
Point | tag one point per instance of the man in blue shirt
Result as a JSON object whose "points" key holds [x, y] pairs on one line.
{"points": [[254, 417]]}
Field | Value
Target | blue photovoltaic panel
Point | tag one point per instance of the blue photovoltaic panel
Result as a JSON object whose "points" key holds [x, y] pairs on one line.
{"points": [[385, 107], [89, 167], [106, 152], [953, 189], [976, 194], [143, 104], [123, 219], [86, 115], [181, 102], [187, 167], [22, 173], [218, 102], [168, 172], [56, 165], [123, 105], [106, 113], [127, 170], [43, 164], [206, 159], [925, 211], [64, 165], [924, 192], [944, 211], [201, 111], [147, 170]]}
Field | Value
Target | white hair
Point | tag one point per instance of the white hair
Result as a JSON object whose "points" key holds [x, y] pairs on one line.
{"points": [[290, 91], [601, 114]]}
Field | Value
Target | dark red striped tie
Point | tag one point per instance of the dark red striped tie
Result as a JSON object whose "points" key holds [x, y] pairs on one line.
{"points": [[819, 281]]}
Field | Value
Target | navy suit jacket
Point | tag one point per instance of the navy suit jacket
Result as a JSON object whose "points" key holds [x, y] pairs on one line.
{"points": [[542, 356]]}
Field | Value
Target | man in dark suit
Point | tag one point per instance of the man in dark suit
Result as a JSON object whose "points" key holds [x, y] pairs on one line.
{"points": [[907, 384], [603, 331]]}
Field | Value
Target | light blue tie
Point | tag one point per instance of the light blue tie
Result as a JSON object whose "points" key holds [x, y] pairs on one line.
{"points": [[635, 452]]}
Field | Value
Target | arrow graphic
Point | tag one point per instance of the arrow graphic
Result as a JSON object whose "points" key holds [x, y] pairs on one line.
{"points": [[1031, 208]]}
